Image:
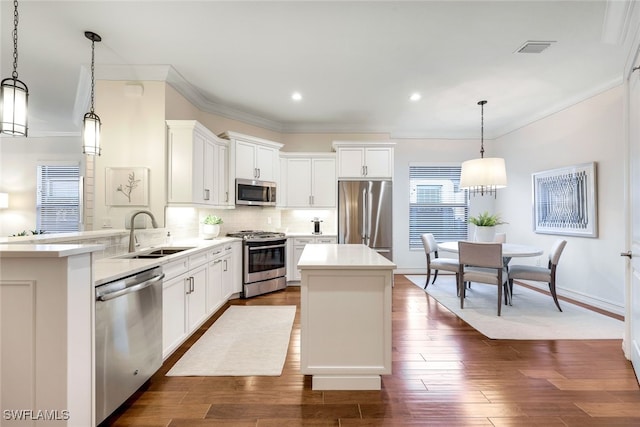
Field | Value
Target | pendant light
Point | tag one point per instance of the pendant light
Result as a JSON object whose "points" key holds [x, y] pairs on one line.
{"points": [[483, 175], [14, 93], [91, 123]]}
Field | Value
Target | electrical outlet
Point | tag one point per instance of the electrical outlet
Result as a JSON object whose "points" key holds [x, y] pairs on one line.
{"points": [[269, 220]]}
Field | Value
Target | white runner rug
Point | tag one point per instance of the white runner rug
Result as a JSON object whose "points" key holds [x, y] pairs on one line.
{"points": [[533, 315], [244, 341]]}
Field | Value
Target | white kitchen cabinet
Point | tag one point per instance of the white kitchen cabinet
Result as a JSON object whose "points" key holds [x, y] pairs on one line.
{"points": [[184, 299], [252, 158], [227, 272], [236, 267], [197, 165], [297, 246], [214, 282], [311, 180], [364, 160]]}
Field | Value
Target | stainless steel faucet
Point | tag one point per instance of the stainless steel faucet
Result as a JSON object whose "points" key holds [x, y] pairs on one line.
{"points": [[132, 246]]}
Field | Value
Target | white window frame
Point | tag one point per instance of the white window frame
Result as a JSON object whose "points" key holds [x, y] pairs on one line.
{"points": [[50, 219], [456, 228]]}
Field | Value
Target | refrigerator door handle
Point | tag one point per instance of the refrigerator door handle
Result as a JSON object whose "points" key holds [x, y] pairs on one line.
{"points": [[364, 217], [367, 218]]}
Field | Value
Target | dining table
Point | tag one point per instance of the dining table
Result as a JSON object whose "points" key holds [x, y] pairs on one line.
{"points": [[509, 250]]}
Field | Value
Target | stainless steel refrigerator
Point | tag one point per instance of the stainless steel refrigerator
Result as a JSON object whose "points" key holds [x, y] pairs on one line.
{"points": [[364, 214]]}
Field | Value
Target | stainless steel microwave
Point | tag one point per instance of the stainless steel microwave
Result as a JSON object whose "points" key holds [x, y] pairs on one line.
{"points": [[255, 193]]}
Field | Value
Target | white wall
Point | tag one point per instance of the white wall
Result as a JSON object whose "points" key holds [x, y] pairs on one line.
{"points": [[18, 160], [590, 269], [133, 135]]}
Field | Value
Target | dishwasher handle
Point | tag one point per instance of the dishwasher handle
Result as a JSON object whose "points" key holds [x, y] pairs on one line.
{"points": [[130, 289]]}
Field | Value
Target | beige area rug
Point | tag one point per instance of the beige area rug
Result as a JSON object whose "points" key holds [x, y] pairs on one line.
{"points": [[244, 341], [532, 316]]}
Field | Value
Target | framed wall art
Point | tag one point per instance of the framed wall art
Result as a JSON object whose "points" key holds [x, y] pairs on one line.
{"points": [[128, 186], [565, 201]]}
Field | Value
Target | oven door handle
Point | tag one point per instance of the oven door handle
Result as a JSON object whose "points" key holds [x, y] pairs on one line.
{"points": [[258, 248]]}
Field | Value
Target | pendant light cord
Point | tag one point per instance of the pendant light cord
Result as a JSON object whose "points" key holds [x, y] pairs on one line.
{"points": [[93, 50], [481, 104], [15, 40]]}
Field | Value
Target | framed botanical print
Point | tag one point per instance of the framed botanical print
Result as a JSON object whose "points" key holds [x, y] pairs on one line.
{"points": [[127, 186]]}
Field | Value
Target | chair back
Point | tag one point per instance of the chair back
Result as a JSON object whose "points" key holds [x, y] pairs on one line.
{"points": [[480, 254], [556, 251], [429, 242]]}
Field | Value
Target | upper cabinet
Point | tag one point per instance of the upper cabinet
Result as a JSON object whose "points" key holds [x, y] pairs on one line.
{"points": [[197, 167], [364, 160], [309, 180], [253, 158]]}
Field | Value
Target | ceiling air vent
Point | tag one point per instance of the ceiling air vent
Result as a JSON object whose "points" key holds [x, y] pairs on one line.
{"points": [[534, 46]]}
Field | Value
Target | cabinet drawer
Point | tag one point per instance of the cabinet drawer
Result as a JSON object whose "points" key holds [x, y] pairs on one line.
{"points": [[216, 252], [302, 240], [175, 268], [326, 239], [197, 259]]}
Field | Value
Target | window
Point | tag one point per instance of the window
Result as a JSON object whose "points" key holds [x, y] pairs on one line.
{"points": [[58, 198], [436, 204]]}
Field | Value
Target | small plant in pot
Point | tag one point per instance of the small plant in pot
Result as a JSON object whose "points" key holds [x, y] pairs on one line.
{"points": [[485, 226], [211, 226]]}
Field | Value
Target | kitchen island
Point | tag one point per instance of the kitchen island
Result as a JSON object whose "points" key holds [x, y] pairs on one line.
{"points": [[345, 341]]}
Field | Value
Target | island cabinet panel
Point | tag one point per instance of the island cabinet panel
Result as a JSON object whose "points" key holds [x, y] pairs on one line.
{"points": [[46, 335], [346, 293]]}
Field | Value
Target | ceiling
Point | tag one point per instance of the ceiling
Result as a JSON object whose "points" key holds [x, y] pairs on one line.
{"points": [[355, 63]]}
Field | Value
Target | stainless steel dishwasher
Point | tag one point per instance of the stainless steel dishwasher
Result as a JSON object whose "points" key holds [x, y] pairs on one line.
{"points": [[128, 337]]}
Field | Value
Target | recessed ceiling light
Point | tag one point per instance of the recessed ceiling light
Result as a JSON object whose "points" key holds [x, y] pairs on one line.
{"points": [[296, 96], [415, 97]]}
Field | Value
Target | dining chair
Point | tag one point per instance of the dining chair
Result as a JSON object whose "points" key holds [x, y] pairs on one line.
{"points": [[482, 263], [436, 263], [541, 274]]}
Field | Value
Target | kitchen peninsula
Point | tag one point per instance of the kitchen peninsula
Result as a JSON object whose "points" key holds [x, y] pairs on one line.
{"points": [[345, 316]]}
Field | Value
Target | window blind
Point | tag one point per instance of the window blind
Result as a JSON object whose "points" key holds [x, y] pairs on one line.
{"points": [[437, 205], [58, 198]]}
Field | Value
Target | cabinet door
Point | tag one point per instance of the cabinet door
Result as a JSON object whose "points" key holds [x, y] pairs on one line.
{"points": [[236, 271], [208, 181], [324, 183], [379, 162], [266, 163], [351, 162], [297, 253], [173, 314], [214, 286], [227, 276], [245, 160], [222, 175], [196, 297], [299, 183]]}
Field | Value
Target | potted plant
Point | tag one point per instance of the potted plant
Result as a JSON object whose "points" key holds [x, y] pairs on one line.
{"points": [[211, 226], [485, 226]]}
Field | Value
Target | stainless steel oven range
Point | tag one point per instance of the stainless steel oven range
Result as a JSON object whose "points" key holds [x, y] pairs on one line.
{"points": [[264, 261]]}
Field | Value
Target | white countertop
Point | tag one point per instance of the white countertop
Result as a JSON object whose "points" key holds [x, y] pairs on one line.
{"points": [[341, 256], [109, 269], [45, 251]]}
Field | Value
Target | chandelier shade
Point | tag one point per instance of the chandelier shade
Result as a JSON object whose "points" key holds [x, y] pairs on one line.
{"points": [[483, 175], [13, 107], [14, 94], [91, 134]]}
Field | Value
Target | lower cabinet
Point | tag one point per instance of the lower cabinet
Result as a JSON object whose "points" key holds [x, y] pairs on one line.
{"points": [[297, 246], [194, 288]]}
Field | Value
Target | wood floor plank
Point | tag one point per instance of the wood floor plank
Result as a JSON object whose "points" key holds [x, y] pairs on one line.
{"points": [[445, 373]]}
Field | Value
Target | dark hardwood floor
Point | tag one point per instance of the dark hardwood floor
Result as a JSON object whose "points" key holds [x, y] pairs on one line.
{"points": [[445, 373]]}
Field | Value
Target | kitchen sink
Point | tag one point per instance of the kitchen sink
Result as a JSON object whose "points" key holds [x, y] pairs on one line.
{"points": [[155, 253]]}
